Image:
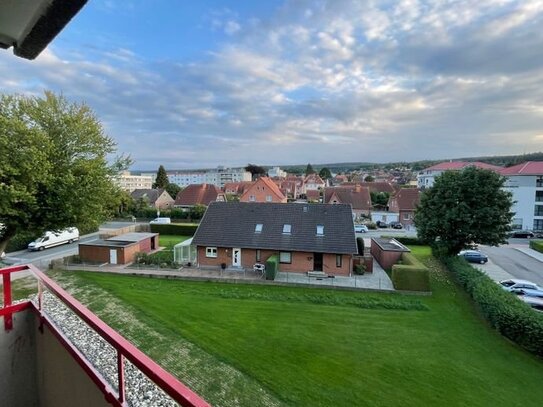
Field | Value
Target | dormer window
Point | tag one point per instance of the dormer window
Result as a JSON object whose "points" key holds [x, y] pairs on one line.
{"points": [[287, 229], [258, 227], [320, 230]]}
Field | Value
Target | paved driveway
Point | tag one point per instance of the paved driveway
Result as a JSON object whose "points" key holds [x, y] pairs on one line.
{"points": [[516, 263]]}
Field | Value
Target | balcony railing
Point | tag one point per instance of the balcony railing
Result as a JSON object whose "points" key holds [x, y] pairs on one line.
{"points": [[123, 349]]}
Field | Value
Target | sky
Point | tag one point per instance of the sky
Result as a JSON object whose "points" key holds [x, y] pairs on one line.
{"points": [[208, 83]]}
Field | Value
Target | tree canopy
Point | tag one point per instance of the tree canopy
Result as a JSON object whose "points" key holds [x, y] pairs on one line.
{"points": [[379, 199], [369, 178], [325, 173], [463, 207], [54, 171], [173, 189], [309, 169], [161, 180]]}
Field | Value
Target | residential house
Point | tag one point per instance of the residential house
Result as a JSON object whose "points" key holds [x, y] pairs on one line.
{"points": [[313, 195], [313, 182], [198, 194], [404, 203], [289, 188], [236, 188], [263, 190], [356, 196], [387, 187], [525, 182], [157, 198], [276, 172], [304, 237], [426, 177]]}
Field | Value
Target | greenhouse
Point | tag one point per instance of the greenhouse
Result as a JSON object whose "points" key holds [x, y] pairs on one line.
{"points": [[185, 253]]}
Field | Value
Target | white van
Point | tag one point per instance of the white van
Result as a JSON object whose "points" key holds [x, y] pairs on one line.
{"points": [[50, 239], [160, 221]]}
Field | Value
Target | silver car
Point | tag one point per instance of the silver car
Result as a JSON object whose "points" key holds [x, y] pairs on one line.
{"points": [[522, 287]]}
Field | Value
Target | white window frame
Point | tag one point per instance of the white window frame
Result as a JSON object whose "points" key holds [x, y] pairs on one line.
{"points": [[252, 198], [407, 216], [211, 252], [259, 227], [320, 230], [282, 256], [269, 198], [287, 229]]}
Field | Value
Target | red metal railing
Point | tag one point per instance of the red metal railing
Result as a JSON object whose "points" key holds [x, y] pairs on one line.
{"points": [[125, 350]]}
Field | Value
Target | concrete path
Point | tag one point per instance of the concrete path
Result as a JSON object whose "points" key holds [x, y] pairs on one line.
{"points": [[494, 271], [531, 252]]}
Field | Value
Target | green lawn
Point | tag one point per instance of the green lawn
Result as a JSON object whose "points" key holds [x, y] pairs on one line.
{"points": [[317, 347], [169, 241]]}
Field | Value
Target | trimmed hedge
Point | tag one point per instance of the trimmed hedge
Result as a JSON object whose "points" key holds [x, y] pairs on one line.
{"points": [[181, 229], [412, 275], [360, 245], [272, 265], [537, 245], [507, 314]]}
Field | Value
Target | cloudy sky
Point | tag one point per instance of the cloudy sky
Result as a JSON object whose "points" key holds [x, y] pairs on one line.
{"points": [[207, 83]]}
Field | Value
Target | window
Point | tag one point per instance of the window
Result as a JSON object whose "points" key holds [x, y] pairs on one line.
{"points": [[211, 252], [406, 216], [539, 182], [258, 227], [252, 198], [538, 224], [258, 255], [339, 260], [285, 257], [320, 230], [538, 211], [539, 196], [287, 229], [268, 198]]}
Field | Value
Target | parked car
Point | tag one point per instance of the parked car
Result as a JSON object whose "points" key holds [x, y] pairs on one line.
{"points": [[50, 239], [160, 221], [474, 256], [522, 287], [396, 225], [2, 255], [381, 224], [534, 302], [361, 229], [522, 234]]}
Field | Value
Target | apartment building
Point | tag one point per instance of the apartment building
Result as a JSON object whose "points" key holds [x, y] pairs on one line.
{"points": [[130, 182]]}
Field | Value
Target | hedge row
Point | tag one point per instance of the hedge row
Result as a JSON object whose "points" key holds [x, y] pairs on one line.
{"points": [[537, 245], [175, 213], [181, 229], [507, 314], [272, 265], [412, 275]]}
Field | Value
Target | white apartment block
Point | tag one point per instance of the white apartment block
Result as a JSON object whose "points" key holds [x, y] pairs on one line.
{"points": [[218, 177], [525, 182], [426, 177], [129, 182], [277, 172]]}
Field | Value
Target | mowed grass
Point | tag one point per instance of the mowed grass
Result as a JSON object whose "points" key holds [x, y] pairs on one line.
{"points": [[169, 241], [317, 347]]}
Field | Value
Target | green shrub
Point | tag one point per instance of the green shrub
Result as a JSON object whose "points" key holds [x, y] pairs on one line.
{"points": [[537, 245], [162, 258], [20, 241], [180, 229], [360, 245], [411, 275], [272, 266], [371, 225], [507, 314], [359, 269]]}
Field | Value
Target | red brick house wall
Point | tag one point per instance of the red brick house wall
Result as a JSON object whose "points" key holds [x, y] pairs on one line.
{"points": [[301, 261]]}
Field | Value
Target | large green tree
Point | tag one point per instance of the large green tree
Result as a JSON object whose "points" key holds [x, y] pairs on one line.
{"points": [[173, 189], [54, 171], [463, 207], [309, 169], [256, 171], [161, 180], [325, 173]]}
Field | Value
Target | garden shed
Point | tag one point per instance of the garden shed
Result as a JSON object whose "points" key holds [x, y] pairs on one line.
{"points": [[119, 249]]}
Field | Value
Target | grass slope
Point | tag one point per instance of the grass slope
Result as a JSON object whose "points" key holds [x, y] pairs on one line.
{"points": [[315, 347]]}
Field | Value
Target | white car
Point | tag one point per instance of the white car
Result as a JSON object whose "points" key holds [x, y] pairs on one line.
{"points": [[525, 287], [360, 229], [161, 221]]}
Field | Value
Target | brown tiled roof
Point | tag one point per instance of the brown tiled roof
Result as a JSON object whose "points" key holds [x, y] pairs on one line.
{"points": [[151, 195], [406, 199], [527, 168], [313, 195], [458, 165], [359, 198], [271, 186], [238, 188], [198, 194], [314, 179], [379, 187]]}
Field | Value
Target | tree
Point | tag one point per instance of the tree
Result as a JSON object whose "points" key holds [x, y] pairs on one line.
{"points": [[369, 178], [309, 169], [54, 171], [173, 189], [161, 180], [197, 211], [325, 173], [256, 171], [379, 199], [463, 207]]}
